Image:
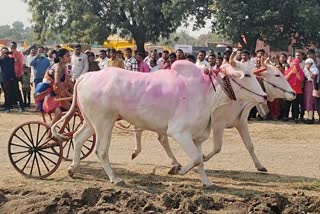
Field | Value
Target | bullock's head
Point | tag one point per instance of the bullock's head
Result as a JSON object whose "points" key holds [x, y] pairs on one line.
{"points": [[245, 85], [276, 84]]}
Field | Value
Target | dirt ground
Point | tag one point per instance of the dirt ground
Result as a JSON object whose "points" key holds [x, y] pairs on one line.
{"points": [[290, 152]]}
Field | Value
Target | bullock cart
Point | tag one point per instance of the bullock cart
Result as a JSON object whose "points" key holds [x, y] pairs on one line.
{"points": [[34, 153]]}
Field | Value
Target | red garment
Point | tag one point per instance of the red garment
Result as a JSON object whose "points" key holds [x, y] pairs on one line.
{"points": [[143, 67], [274, 108], [166, 65], [295, 83], [216, 71], [18, 63]]}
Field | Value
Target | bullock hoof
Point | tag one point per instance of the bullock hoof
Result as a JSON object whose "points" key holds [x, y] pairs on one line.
{"points": [[134, 155], [212, 187], [174, 170], [263, 169], [208, 185], [120, 183], [204, 158], [71, 173]]}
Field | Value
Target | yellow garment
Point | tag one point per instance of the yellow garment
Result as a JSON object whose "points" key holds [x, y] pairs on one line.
{"points": [[116, 63]]}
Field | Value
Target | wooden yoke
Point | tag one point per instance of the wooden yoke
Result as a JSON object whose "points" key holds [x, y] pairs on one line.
{"points": [[63, 99]]}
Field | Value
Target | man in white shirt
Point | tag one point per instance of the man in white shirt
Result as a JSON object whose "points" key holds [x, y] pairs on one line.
{"points": [[29, 59], [130, 62], [201, 62], [164, 58], [103, 59], [79, 62]]}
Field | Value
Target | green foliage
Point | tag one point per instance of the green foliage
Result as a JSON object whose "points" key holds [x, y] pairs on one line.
{"points": [[93, 20], [275, 22], [16, 32]]}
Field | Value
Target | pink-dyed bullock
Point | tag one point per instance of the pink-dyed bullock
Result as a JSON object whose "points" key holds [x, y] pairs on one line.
{"points": [[234, 114], [175, 102]]}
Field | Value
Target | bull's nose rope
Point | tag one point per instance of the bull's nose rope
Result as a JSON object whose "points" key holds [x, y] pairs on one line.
{"points": [[278, 87], [242, 87]]}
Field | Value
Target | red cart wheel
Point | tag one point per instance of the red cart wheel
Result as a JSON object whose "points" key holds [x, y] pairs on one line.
{"points": [[68, 145], [30, 150]]}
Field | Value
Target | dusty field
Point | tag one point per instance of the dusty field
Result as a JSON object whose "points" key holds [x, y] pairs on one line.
{"points": [[290, 152]]}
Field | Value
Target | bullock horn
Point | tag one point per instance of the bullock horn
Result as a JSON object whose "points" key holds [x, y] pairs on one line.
{"points": [[258, 71], [267, 61]]}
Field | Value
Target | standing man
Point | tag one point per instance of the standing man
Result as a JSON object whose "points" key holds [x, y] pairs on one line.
{"points": [[10, 81], [180, 54], [18, 60], [115, 61], [164, 59], [103, 59], [212, 62], [172, 57], [142, 65], [210, 52], [130, 62], [30, 57], [79, 63], [40, 64], [201, 62], [300, 55]]}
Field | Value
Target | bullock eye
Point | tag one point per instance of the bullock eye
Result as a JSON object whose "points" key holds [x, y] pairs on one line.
{"points": [[277, 75], [247, 75]]}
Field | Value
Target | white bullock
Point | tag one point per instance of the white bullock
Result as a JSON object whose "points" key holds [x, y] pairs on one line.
{"points": [[234, 114], [175, 102]]}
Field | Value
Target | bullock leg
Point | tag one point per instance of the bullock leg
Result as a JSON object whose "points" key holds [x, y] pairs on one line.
{"points": [[217, 142], [137, 149], [79, 138], [186, 142], [103, 131], [203, 175], [163, 139], [244, 133]]}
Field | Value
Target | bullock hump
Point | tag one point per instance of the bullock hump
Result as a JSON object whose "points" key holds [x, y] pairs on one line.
{"points": [[186, 68]]}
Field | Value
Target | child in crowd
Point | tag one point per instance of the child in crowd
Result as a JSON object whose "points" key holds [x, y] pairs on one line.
{"points": [[26, 85]]}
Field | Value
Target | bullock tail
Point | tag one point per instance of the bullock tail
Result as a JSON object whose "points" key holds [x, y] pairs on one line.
{"points": [[71, 111]]}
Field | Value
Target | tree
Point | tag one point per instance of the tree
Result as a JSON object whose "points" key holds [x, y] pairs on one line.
{"points": [[5, 31], [16, 32], [94, 20], [181, 37], [272, 21]]}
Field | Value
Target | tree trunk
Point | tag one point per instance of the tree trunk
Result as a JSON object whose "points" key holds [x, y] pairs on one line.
{"points": [[250, 44], [140, 45]]}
